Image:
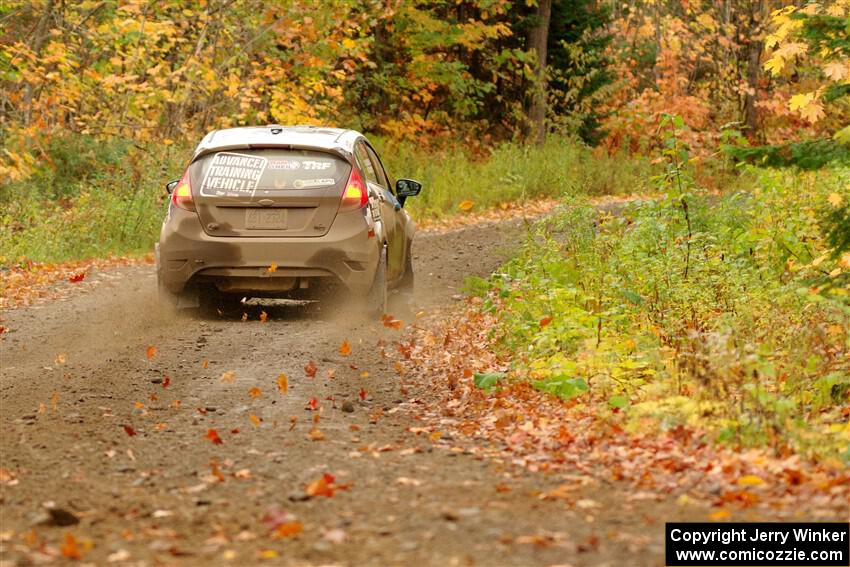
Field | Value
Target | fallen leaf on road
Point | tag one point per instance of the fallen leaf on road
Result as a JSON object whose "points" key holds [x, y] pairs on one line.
{"points": [[362, 394], [364, 374], [345, 348], [69, 547], [150, 352], [721, 514], [255, 393], [272, 269], [316, 435], [77, 278], [129, 431], [205, 364], [750, 480], [391, 322], [403, 480], [282, 383], [255, 421], [243, 474], [166, 382], [310, 369], [313, 404], [61, 358], [212, 435], [228, 376], [288, 529], [54, 401], [325, 486]]}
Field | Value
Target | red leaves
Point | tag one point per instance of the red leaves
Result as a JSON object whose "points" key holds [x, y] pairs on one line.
{"points": [[69, 547], [391, 322], [325, 486], [344, 348], [77, 278], [362, 394], [129, 431], [313, 404], [545, 321], [166, 382], [212, 435], [310, 369]]}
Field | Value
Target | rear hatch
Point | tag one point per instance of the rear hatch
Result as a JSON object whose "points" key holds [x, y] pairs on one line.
{"points": [[268, 191]]}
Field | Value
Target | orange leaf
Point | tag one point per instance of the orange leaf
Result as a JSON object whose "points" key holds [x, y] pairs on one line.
{"points": [[288, 529], [255, 421], [205, 364], [310, 369], [272, 269], [391, 322], [255, 393], [129, 430], [212, 435], [465, 205], [316, 435], [364, 374], [545, 321], [264, 317], [77, 278], [313, 404], [150, 352], [139, 405], [322, 486], [228, 376], [283, 383], [345, 348], [69, 547]]}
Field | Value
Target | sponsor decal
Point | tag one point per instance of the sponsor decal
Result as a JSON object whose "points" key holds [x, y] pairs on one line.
{"points": [[317, 165], [284, 164], [233, 175], [308, 183]]}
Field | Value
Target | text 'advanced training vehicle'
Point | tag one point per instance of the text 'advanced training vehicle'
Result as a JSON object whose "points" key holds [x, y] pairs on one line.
{"points": [[285, 212]]}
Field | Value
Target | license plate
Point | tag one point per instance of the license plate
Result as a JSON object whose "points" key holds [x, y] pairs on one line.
{"points": [[265, 219]]}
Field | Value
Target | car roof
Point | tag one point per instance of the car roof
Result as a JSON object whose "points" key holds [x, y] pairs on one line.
{"points": [[319, 137]]}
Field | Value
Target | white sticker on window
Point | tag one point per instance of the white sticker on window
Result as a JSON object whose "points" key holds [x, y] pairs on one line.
{"points": [[235, 175], [308, 183]]}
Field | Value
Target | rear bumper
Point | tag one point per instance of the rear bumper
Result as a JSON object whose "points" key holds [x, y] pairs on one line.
{"points": [[186, 254]]}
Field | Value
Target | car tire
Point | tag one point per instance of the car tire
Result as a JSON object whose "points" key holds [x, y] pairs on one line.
{"points": [[376, 300]]}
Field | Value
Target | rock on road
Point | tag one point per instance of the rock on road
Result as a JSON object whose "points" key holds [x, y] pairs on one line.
{"points": [[93, 426]]}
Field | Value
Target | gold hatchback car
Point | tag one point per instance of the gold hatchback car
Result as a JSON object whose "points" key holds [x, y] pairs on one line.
{"points": [[285, 212]]}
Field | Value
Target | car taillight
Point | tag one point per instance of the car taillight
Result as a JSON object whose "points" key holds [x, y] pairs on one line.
{"points": [[355, 195], [182, 194]]}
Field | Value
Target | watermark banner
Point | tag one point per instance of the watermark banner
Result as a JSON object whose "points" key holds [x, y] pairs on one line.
{"points": [[816, 544]]}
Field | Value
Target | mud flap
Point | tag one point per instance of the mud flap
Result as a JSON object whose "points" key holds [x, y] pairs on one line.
{"points": [[189, 299]]}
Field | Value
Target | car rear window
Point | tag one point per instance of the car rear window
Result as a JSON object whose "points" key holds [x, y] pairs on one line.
{"points": [[268, 171]]}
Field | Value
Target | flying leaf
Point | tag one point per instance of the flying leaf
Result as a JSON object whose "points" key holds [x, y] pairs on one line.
{"points": [[129, 431], [69, 547], [391, 322], [272, 269], [316, 435], [283, 383], [345, 348], [465, 205], [264, 317], [322, 486], [310, 369], [212, 435], [834, 199], [750, 480], [228, 376], [364, 374], [205, 364], [313, 404], [166, 382], [255, 393], [545, 321], [77, 278], [288, 529], [362, 394], [255, 421], [150, 352]]}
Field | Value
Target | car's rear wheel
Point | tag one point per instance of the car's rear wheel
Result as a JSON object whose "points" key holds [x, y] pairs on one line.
{"points": [[376, 300], [406, 285]]}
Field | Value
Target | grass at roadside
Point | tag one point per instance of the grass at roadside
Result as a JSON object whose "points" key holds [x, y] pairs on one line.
{"points": [[98, 199], [728, 314]]}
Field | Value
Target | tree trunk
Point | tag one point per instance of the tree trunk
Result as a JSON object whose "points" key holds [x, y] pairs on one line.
{"points": [[537, 38], [754, 50]]}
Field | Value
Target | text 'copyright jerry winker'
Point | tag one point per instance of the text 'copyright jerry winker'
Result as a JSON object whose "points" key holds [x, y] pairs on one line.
{"points": [[821, 544]]}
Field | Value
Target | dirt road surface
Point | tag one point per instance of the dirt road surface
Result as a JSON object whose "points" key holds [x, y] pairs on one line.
{"points": [[121, 440]]}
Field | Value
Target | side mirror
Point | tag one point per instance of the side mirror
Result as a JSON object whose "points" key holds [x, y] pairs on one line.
{"points": [[169, 187], [407, 188]]}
